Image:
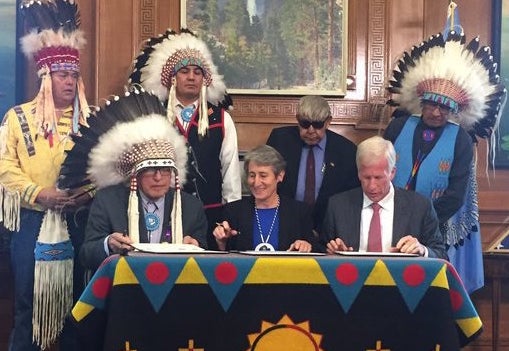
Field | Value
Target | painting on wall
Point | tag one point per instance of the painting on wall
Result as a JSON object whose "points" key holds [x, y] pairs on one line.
{"points": [[7, 55], [283, 47], [501, 52]]}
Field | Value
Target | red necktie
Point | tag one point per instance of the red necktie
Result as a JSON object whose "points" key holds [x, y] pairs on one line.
{"points": [[375, 230], [309, 190]]}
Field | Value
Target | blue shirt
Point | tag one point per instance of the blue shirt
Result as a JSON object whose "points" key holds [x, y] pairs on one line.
{"points": [[269, 224]]}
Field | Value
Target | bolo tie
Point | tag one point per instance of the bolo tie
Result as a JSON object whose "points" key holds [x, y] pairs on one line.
{"points": [[428, 136]]}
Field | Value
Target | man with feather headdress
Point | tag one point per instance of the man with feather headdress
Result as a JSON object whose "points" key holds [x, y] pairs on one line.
{"points": [[34, 137], [178, 68], [448, 93], [134, 157]]}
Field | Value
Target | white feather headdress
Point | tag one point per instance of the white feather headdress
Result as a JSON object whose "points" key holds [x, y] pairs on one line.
{"points": [[54, 42], [129, 130], [121, 152], [163, 56], [447, 71], [131, 133]]}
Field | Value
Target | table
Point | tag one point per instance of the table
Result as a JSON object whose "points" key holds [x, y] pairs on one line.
{"points": [[238, 302]]}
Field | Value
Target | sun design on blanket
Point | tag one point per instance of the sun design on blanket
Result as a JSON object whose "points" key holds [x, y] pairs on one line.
{"points": [[285, 334]]}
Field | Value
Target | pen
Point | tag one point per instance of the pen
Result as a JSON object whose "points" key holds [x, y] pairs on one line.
{"points": [[124, 251], [219, 224]]}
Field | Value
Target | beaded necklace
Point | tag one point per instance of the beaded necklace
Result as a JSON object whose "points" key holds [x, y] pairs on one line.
{"points": [[265, 242]]}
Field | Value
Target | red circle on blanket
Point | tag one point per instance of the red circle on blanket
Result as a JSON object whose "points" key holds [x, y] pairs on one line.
{"points": [[157, 273], [456, 299], [226, 272], [414, 275], [101, 287], [347, 273]]}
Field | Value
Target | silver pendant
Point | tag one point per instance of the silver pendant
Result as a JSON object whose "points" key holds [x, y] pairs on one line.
{"points": [[264, 247], [151, 221]]}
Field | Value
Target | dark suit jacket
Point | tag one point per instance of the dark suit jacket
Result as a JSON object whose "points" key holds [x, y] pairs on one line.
{"points": [[108, 214], [295, 223], [413, 215], [340, 171]]}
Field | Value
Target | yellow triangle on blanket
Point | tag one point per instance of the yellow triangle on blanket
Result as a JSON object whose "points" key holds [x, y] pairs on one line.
{"points": [[191, 274], [124, 274], [81, 310], [470, 326], [274, 270], [440, 280], [380, 275]]}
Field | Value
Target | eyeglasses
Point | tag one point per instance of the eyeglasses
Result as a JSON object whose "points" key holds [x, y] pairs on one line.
{"points": [[151, 171], [306, 124], [434, 105]]}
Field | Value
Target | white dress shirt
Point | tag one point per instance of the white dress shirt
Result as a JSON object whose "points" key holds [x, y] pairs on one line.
{"points": [[386, 220]]}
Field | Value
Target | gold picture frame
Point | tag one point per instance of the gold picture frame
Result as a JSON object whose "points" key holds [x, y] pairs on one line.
{"points": [[500, 37], [274, 47]]}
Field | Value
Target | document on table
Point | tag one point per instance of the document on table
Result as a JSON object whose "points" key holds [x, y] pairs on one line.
{"points": [[165, 248], [380, 254], [279, 253]]}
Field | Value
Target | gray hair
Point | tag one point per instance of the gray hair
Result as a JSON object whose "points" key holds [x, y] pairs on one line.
{"points": [[313, 108], [265, 155], [374, 149]]}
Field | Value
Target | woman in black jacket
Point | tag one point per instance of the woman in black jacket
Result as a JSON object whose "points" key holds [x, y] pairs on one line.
{"points": [[265, 220]]}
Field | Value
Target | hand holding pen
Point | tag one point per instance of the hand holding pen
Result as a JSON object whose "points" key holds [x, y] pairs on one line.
{"points": [[119, 243], [222, 232]]}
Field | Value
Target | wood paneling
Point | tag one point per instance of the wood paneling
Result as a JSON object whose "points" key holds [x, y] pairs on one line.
{"points": [[116, 30]]}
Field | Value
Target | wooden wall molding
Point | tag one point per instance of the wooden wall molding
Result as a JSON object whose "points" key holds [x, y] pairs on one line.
{"points": [[282, 110], [147, 19], [377, 51], [372, 111]]}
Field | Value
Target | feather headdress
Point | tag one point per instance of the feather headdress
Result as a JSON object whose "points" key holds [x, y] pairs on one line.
{"points": [[460, 76], [101, 154], [164, 55], [129, 134], [53, 42]]}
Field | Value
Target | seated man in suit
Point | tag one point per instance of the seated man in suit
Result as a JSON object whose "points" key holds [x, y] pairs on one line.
{"points": [[135, 157], [332, 168], [379, 217]]}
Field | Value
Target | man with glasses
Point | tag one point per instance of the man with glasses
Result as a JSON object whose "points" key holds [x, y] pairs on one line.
{"points": [[435, 159], [138, 198], [417, 139], [433, 152], [107, 229], [332, 161], [453, 96]]}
